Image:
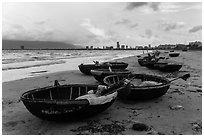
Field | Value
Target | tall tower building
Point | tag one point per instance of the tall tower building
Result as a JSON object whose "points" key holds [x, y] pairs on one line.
{"points": [[118, 45]]}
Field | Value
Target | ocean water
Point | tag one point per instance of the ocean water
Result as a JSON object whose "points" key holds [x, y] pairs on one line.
{"points": [[18, 64]]}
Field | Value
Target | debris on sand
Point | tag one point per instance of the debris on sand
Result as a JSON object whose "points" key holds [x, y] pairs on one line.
{"points": [[177, 91], [95, 127], [194, 89], [154, 132], [138, 126], [176, 107], [197, 126]]}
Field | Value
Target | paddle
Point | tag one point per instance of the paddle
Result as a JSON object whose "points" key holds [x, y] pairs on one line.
{"points": [[184, 77]]}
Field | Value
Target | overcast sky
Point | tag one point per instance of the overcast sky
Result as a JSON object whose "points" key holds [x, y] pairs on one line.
{"points": [[100, 24]]}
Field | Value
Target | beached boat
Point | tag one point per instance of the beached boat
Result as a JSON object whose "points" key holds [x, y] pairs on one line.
{"points": [[176, 54], [169, 67], [86, 68], [143, 60], [155, 65], [58, 102], [139, 91], [100, 74]]}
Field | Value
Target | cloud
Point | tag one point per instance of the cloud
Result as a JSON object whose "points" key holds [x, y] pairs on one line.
{"points": [[132, 5], [96, 31], [123, 21], [152, 5], [133, 25], [148, 33], [169, 7], [195, 29], [168, 26]]}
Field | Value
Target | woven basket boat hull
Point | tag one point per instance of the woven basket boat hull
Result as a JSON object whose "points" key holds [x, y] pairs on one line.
{"points": [[170, 67], [174, 54], [137, 92], [100, 74], [141, 62], [86, 68], [58, 102]]}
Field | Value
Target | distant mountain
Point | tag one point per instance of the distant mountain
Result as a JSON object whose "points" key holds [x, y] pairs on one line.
{"points": [[16, 44]]}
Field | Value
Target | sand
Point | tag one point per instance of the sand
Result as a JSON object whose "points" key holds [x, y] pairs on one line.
{"points": [[179, 111]]}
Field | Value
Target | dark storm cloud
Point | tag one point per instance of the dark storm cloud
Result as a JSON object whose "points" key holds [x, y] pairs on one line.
{"points": [[124, 21], [133, 25], [172, 26], [195, 29], [155, 5], [152, 5], [132, 5]]}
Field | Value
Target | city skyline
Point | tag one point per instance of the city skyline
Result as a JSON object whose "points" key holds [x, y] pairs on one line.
{"points": [[99, 24]]}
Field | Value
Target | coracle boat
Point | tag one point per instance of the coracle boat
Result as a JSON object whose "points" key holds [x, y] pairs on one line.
{"points": [[169, 67], [86, 68], [143, 60], [58, 102], [100, 74], [155, 65], [174, 54], [140, 91]]}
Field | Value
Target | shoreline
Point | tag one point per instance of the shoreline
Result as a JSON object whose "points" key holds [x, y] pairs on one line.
{"points": [[17, 120], [68, 64]]}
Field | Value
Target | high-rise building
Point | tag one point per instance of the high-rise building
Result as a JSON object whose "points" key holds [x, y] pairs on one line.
{"points": [[118, 45], [22, 47], [122, 46]]}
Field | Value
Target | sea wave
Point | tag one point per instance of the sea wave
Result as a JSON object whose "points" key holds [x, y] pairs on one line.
{"points": [[30, 64]]}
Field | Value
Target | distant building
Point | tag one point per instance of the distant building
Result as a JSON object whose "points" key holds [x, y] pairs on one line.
{"points": [[145, 47], [138, 47], [122, 46], [22, 47], [166, 46], [197, 45], [118, 45], [110, 47]]}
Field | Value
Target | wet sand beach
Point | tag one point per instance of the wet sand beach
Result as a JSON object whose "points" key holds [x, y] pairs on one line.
{"points": [[161, 114]]}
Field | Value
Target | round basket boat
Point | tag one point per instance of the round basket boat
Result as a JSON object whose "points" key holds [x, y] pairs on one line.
{"points": [[150, 64], [100, 74], [169, 67], [114, 65], [174, 54], [58, 102], [143, 60], [86, 68], [140, 92], [159, 64]]}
